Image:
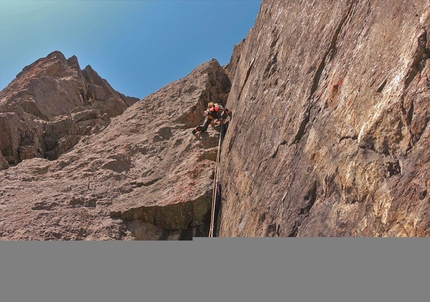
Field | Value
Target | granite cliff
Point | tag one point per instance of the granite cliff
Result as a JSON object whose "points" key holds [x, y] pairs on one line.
{"points": [[329, 136]]}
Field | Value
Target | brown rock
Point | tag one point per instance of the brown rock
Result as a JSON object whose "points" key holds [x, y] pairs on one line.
{"points": [[333, 98], [3, 162], [329, 137], [146, 176], [231, 67], [9, 136], [45, 97]]}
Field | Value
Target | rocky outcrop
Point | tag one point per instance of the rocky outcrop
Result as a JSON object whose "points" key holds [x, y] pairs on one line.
{"points": [[144, 177], [330, 135], [51, 104]]}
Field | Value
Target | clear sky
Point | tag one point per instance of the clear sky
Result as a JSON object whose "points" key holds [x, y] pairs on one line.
{"points": [[137, 46]]}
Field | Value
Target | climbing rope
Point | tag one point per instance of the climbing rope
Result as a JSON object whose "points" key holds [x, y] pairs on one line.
{"points": [[215, 185]]}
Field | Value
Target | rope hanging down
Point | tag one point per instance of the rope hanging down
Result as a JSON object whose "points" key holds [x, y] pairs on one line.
{"points": [[215, 185]]}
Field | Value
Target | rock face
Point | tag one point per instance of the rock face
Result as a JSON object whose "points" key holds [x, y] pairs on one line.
{"points": [[329, 137], [51, 104], [145, 176], [331, 133]]}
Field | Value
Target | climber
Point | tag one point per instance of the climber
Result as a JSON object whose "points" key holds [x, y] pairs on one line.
{"points": [[215, 114]]}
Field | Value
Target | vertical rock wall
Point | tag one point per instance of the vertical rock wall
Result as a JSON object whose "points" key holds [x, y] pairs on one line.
{"points": [[330, 134]]}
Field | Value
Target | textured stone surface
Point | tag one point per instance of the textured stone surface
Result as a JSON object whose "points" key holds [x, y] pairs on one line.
{"points": [[145, 176], [330, 135], [3, 162], [51, 104], [9, 136]]}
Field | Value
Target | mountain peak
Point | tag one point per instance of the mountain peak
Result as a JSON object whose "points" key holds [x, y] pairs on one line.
{"points": [[56, 54], [48, 90]]}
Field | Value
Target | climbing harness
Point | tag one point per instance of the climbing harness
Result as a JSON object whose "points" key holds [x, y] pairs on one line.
{"points": [[216, 184]]}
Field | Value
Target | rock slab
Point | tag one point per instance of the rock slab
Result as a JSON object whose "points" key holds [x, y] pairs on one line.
{"points": [[330, 135]]}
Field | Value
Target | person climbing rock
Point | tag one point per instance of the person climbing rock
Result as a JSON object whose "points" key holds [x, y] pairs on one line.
{"points": [[214, 114]]}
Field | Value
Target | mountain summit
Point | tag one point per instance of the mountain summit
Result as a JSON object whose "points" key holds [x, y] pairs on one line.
{"points": [[51, 104]]}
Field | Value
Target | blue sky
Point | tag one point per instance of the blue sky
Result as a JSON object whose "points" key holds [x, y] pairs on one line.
{"points": [[137, 46]]}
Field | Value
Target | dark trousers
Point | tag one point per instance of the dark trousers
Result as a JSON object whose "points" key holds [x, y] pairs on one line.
{"points": [[222, 115], [206, 124]]}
